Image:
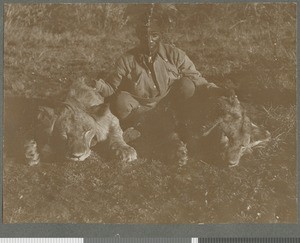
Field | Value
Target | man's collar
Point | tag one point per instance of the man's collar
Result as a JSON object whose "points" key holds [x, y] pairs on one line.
{"points": [[161, 52]]}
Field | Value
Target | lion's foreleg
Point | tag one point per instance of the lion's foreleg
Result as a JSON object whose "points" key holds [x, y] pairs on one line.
{"points": [[32, 156], [117, 144], [35, 148], [178, 150]]}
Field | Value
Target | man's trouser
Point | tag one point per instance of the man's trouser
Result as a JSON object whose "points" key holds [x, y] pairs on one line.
{"points": [[125, 106]]}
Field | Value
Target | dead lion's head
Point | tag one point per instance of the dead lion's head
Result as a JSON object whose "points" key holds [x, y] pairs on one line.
{"points": [[231, 134], [69, 131], [72, 127]]}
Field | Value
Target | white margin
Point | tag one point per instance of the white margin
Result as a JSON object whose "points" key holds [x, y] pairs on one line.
{"points": [[41, 240]]}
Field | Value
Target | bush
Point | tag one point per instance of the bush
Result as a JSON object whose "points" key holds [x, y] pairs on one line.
{"points": [[59, 18], [221, 39]]}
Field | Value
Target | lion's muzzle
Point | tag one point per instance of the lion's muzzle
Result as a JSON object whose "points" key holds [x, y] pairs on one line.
{"points": [[81, 156]]}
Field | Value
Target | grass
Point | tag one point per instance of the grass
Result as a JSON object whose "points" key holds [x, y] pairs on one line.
{"points": [[230, 44]]}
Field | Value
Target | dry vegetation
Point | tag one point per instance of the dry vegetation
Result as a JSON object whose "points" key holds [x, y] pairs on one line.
{"points": [[249, 47]]}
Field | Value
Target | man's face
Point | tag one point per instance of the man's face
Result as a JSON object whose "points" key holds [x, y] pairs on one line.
{"points": [[150, 41]]}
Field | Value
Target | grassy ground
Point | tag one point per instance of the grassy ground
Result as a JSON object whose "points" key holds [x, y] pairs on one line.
{"points": [[249, 47]]}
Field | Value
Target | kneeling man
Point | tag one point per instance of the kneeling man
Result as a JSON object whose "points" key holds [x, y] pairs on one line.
{"points": [[148, 73]]}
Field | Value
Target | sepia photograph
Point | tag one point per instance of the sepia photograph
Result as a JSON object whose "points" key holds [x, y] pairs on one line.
{"points": [[155, 113]]}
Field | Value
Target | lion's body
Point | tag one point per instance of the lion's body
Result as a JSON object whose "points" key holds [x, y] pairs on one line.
{"points": [[218, 128], [71, 128]]}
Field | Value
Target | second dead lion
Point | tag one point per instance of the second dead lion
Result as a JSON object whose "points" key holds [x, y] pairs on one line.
{"points": [[217, 129], [72, 127]]}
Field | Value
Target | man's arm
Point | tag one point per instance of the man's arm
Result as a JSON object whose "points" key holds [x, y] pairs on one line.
{"points": [[108, 88], [102, 87], [187, 69]]}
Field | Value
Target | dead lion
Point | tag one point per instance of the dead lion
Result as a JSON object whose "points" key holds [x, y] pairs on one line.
{"points": [[72, 127], [219, 129]]}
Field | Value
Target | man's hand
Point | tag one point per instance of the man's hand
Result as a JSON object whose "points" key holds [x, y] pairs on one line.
{"points": [[227, 92], [217, 91], [98, 85], [211, 86]]}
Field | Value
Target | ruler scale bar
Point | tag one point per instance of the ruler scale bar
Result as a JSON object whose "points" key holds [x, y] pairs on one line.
{"points": [[140, 240], [193, 240], [149, 240], [41, 240], [248, 240]]}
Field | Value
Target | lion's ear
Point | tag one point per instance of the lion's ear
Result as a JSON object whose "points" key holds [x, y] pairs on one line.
{"points": [[46, 118], [72, 92], [99, 110]]}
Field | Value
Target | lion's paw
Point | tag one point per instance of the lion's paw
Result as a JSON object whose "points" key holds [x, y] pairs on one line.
{"points": [[179, 154], [125, 153], [182, 154], [32, 156], [178, 150]]}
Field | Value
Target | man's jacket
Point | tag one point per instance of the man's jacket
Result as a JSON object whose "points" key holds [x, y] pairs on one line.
{"points": [[134, 76]]}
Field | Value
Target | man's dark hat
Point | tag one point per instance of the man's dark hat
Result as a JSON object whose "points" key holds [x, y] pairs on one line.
{"points": [[153, 20], [154, 17]]}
